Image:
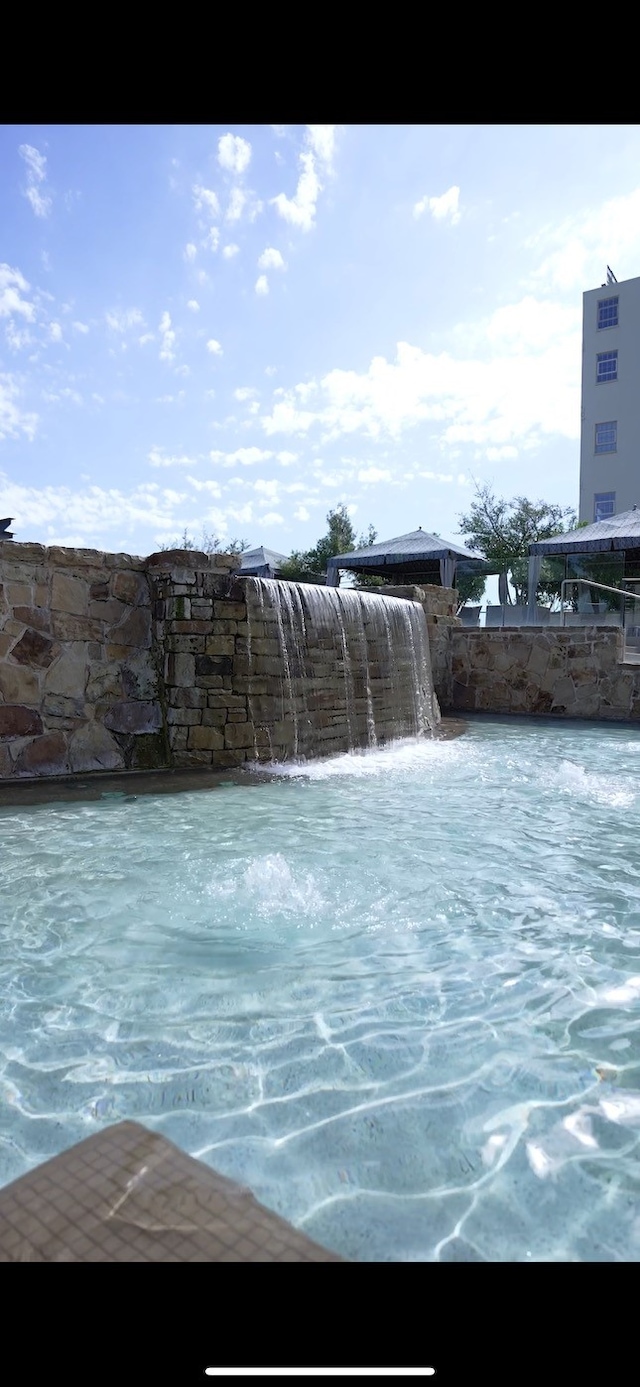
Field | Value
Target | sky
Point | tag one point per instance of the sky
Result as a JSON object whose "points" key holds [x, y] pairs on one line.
{"points": [[237, 328]]}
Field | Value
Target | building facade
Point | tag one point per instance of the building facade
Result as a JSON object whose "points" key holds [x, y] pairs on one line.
{"points": [[610, 416]]}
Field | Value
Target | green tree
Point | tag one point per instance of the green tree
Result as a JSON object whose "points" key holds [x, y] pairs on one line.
{"points": [[207, 544], [310, 565], [503, 530]]}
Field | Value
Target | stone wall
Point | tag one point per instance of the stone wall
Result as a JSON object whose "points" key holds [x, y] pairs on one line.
{"points": [[440, 608], [577, 673], [78, 682], [200, 632]]}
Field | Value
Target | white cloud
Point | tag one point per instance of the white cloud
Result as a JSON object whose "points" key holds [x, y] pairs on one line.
{"points": [[12, 285], [14, 421], [322, 139], [271, 259], [212, 240], [158, 458], [229, 251], [236, 205], [444, 208], [511, 398], [90, 515], [302, 513], [247, 457], [244, 392], [300, 210], [80, 327], [168, 338], [286, 459], [577, 250], [190, 251], [183, 370], [17, 337], [206, 200], [122, 319], [193, 305], [273, 518], [375, 474], [262, 285], [36, 164], [234, 153], [266, 488], [214, 347], [213, 488], [55, 332], [146, 337]]}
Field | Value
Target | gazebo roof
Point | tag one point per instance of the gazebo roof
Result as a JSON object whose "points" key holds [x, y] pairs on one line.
{"points": [[617, 532], [256, 561], [416, 547]]}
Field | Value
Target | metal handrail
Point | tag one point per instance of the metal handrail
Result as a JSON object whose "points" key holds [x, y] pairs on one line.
{"points": [[602, 587]]}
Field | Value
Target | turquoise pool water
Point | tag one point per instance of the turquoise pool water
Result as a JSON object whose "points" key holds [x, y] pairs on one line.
{"points": [[397, 994]]}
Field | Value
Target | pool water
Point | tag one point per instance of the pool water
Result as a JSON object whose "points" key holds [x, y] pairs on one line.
{"points": [[396, 993]]}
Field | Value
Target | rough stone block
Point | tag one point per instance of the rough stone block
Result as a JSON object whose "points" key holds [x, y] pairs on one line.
{"points": [[18, 721], [68, 675], [18, 594], [131, 588], [19, 684], [34, 649], [69, 594], [238, 734], [61, 706], [185, 717], [205, 739], [212, 665], [185, 645], [109, 611], [220, 645], [92, 748], [216, 717], [232, 611], [75, 628], [134, 629], [181, 670], [188, 698], [37, 617], [45, 755], [133, 717]]}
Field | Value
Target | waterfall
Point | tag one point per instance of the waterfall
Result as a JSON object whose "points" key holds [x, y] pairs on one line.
{"points": [[335, 669]]}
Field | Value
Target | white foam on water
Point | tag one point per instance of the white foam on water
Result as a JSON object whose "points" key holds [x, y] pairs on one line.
{"points": [[574, 780], [272, 887], [409, 754]]}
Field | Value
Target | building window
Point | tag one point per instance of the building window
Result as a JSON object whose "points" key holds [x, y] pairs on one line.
{"points": [[604, 505], [607, 366], [608, 312], [607, 437]]}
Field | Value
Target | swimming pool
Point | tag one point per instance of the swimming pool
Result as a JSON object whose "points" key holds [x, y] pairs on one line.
{"points": [[396, 993]]}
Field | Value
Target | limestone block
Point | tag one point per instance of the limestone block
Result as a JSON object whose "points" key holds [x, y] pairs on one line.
{"points": [[220, 645], [185, 717], [216, 717], [37, 617], [206, 739], [213, 665], [34, 649], [91, 748], [239, 734], [181, 670], [234, 611], [75, 628], [46, 755], [185, 645], [69, 594], [18, 594], [19, 684], [18, 721], [133, 717], [188, 698], [134, 629], [68, 675], [131, 588], [110, 611]]}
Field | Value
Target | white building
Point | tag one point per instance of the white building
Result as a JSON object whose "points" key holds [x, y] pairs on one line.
{"points": [[610, 432]]}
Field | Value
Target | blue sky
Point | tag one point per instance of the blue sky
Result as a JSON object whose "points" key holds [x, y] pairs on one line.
{"points": [[238, 327]]}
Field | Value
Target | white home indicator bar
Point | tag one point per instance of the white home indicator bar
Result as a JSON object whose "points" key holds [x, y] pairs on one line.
{"points": [[320, 1372]]}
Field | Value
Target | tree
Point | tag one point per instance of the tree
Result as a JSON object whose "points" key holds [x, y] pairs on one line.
{"points": [[503, 530], [310, 565], [207, 544]]}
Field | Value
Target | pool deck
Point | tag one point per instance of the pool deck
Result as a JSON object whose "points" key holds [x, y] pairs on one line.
{"points": [[129, 1195]]}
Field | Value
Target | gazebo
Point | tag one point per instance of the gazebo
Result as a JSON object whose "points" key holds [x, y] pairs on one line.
{"points": [[414, 558], [607, 551], [260, 563]]}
